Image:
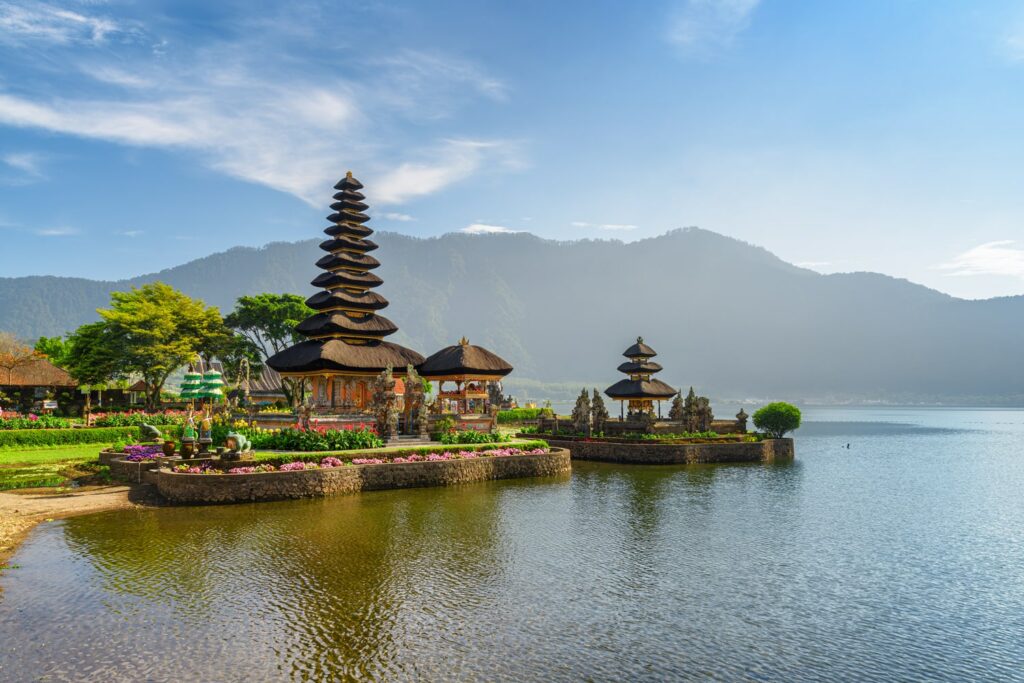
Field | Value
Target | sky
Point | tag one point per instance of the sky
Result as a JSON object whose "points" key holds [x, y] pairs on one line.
{"points": [[843, 136]]}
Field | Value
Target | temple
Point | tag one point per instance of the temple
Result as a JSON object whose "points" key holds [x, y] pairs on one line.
{"points": [[345, 348], [472, 369], [641, 391]]}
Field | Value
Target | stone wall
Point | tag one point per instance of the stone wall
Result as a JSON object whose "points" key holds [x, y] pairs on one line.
{"points": [[233, 488], [648, 453]]}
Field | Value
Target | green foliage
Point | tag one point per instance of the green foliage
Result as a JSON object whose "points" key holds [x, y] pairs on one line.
{"points": [[446, 425], [518, 415], [138, 419], [472, 436], [311, 439], [155, 329], [21, 438], [41, 422], [775, 419], [423, 450], [54, 348]]}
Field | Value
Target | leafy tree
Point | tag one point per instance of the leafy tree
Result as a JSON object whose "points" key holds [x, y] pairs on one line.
{"points": [[268, 321], [91, 358], [14, 354], [54, 348], [775, 419], [156, 329]]}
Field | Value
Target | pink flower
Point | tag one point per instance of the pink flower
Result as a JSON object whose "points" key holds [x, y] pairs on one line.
{"points": [[293, 466], [367, 461], [331, 461]]}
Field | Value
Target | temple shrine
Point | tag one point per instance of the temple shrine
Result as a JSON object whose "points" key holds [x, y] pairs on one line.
{"points": [[641, 391], [345, 348]]}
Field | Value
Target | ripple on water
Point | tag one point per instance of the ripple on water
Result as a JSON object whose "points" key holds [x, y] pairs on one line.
{"points": [[896, 559]]}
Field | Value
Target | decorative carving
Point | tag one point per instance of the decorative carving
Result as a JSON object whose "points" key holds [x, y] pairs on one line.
{"points": [[697, 415], [598, 413], [385, 405], [741, 421], [581, 414]]}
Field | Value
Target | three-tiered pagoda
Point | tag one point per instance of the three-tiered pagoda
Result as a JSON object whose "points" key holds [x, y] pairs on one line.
{"points": [[345, 348], [640, 390]]}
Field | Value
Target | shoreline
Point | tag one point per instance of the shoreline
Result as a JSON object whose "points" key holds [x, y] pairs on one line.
{"points": [[20, 512]]}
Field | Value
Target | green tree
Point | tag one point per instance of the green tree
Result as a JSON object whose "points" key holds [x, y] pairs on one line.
{"points": [[775, 419], [54, 348], [91, 358], [268, 321], [156, 329]]}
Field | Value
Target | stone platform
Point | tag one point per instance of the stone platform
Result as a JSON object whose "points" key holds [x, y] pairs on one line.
{"points": [[653, 453], [179, 487]]}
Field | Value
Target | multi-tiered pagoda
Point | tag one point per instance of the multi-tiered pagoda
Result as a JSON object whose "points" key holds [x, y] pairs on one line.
{"points": [[640, 390], [345, 346]]}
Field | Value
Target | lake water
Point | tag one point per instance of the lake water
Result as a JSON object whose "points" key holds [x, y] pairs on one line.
{"points": [[898, 558]]}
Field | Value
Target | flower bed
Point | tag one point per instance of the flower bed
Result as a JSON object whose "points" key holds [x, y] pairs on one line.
{"points": [[62, 437], [139, 418], [140, 452], [215, 482], [33, 421], [313, 439]]}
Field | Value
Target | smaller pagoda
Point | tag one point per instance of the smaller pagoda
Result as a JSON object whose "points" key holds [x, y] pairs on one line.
{"points": [[641, 390], [472, 369]]}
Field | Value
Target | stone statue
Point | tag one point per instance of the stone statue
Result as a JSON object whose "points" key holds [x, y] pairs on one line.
{"points": [[581, 414], [598, 413], [237, 443], [385, 405], [677, 412], [741, 421], [149, 432], [416, 402]]}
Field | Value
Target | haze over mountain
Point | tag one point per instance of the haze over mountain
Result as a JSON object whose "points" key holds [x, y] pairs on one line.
{"points": [[727, 317]]}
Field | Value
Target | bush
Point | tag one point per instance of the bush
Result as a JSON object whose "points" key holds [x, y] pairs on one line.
{"points": [[291, 439], [775, 419], [471, 436], [35, 422], [19, 438], [138, 419], [518, 415]]}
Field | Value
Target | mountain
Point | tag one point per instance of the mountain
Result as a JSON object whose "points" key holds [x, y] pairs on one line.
{"points": [[727, 317]]}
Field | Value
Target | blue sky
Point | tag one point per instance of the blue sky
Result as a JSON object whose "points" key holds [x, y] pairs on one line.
{"points": [[885, 136]]}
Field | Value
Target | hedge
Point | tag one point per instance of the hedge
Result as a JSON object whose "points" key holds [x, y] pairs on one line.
{"points": [[520, 414], [19, 438], [305, 456]]}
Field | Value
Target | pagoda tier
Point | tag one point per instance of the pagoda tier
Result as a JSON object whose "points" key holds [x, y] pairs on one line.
{"points": [[346, 334], [640, 387]]}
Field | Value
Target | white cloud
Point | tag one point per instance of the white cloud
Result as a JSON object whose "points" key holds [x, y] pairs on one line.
{"points": [[453, 161], [1013, 44], [604, 226], [42, 21], [57, 232], [992, 258], [29, 166], [486, 229], [401, 217], [700, 26], [132, 233]]}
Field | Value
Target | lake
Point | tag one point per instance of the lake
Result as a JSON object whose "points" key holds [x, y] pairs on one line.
{"points": [[900, 557]]}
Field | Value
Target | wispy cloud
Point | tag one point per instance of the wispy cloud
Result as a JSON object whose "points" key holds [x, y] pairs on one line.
{"points": [[698, 27], [486, 229], [57, 232], [992, 258], [131, 233], [40, 21], [604, 226], [400, 217], [1013, 43], [28, 165], [265, 120]]}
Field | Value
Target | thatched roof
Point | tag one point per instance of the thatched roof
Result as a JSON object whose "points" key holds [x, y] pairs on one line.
{"points": [[346, 242], [348, 183], [639, 350], [338, 322], [653, 389], [344, 279], [338, 355], [340, 298], [464, 359], [633, 368], [37, 373], [348, 224], [345, 259]]}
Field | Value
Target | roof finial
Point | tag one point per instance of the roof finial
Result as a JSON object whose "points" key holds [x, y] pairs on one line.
{"points": [[639, 340], [463, 341], [348, 174]]}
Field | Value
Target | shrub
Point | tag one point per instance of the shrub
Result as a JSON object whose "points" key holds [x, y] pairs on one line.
{"points": [[775, 419], [35, 422], [518, 415], [170, 417], [291, 439], [471, 436], [62, 437]]}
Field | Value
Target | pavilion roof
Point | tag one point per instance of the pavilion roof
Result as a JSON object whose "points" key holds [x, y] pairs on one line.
{"points": [[650, 389], [464, 360], [37, 373]]}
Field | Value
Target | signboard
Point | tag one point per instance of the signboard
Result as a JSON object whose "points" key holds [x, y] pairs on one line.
{"points": [[49, 405]]}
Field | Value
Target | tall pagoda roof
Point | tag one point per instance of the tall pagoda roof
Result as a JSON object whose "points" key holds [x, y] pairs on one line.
{"points": [[464, 359], [640, 386], [346, 334]]}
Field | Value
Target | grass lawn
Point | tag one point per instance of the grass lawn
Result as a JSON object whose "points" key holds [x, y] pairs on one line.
{"points": [[30, 467]]}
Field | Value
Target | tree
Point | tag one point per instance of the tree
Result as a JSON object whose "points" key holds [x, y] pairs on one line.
{"points": [[775, 419], [14, 354], [156, 329], [598, 413], [90, 357], [54, 348], [268, 321]]}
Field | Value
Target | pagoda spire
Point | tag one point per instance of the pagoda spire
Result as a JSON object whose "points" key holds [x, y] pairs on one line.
{"points": [[346, 307]]}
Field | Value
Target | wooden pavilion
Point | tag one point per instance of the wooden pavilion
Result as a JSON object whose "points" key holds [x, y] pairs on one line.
{"points": [[471, 369]]}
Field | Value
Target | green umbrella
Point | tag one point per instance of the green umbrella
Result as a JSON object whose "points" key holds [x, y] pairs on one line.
{"points": [[211, 386], [191, 384]]}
